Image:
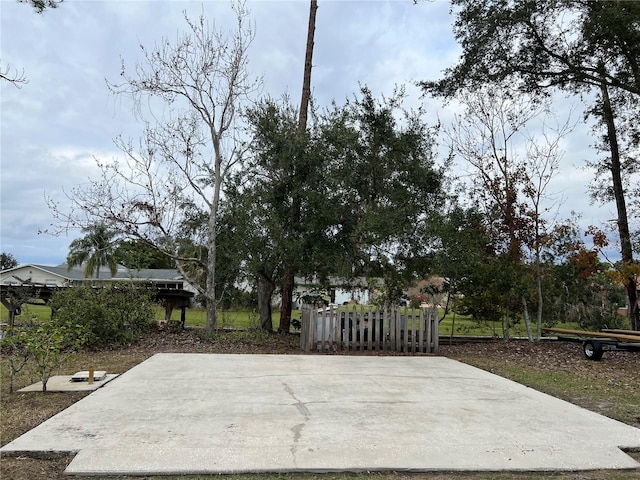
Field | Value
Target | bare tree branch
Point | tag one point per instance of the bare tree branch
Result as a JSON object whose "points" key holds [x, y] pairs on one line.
{"points": [[15, 77]]}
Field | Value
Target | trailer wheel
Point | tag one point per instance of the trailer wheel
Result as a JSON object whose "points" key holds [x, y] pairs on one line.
{"points": [[593, 350]]}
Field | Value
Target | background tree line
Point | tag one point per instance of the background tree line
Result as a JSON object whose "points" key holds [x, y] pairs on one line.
{"points": [[582, 47], [231, 188]]}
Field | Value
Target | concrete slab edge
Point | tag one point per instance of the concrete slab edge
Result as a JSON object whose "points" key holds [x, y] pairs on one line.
{"points": [[63, 383], [213, 461], [37, 454]]}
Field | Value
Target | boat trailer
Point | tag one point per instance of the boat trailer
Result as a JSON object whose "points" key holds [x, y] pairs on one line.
{"points": [[594, 344]]}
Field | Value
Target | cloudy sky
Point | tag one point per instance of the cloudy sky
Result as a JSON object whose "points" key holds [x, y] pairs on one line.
{"points": [[55, 125]]}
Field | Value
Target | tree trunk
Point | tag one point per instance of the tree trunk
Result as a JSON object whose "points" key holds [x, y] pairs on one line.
{"points": [[506, 323], [12, 374], [618, 191], [506, 326], [540, 304], [288, 283], [527, 320], [538, 281], [210, 293], [12, 320], [44, 378], [306, 80], [265, 294], [634, 307]]}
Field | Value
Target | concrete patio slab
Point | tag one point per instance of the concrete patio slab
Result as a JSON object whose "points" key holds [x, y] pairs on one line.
{"points": [[199, 414], [65, 383]]}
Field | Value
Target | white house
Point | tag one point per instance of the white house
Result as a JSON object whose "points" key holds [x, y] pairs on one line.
{"points": [[172, 289], [360, 290], [62, 276]]}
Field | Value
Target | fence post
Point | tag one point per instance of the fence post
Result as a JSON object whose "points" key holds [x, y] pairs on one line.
{"points": [[421, 345], [333, 327], [313, 328], [322, 329], [405, 333], [361, 328], [429, 324], [400, 330], [385, 329], [436, 331], [392, 329], [304, 329], [377, 328], [310, 329], [398, 319], [413, 331], [356, 329], [366, 328]]}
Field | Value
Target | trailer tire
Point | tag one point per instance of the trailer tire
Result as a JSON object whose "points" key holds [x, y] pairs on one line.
{"points": [[592, 349]]}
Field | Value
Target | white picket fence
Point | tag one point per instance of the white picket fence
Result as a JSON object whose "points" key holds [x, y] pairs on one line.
{"points": [[397, 329]]}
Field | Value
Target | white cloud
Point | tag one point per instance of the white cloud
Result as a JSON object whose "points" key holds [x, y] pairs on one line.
{"points": [[53, 127]]}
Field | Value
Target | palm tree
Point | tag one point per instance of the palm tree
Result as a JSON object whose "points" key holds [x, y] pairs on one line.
{"points": [[94, 250]]}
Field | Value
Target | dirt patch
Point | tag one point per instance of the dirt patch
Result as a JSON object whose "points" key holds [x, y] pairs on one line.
{"points": [[549, 355]]}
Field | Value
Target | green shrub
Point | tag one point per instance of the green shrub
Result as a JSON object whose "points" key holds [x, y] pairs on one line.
{"points": [[597, 317], [107, 316], [14, 346], [51, 343]]}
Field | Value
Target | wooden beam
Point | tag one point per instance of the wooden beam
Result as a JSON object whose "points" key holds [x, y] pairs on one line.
{"points": [[624, 332], [609, 335]]}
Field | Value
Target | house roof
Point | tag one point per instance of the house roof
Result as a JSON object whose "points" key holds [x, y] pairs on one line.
{"points": [[76, 273]]}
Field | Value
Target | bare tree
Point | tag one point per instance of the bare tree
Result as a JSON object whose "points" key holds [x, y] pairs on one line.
{"points": [[511, 170], [165, 191], [543, 154]]}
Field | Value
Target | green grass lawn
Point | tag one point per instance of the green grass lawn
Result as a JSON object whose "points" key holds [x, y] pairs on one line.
{"points": [[29, 312], [245, 319], [196, 317]]}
